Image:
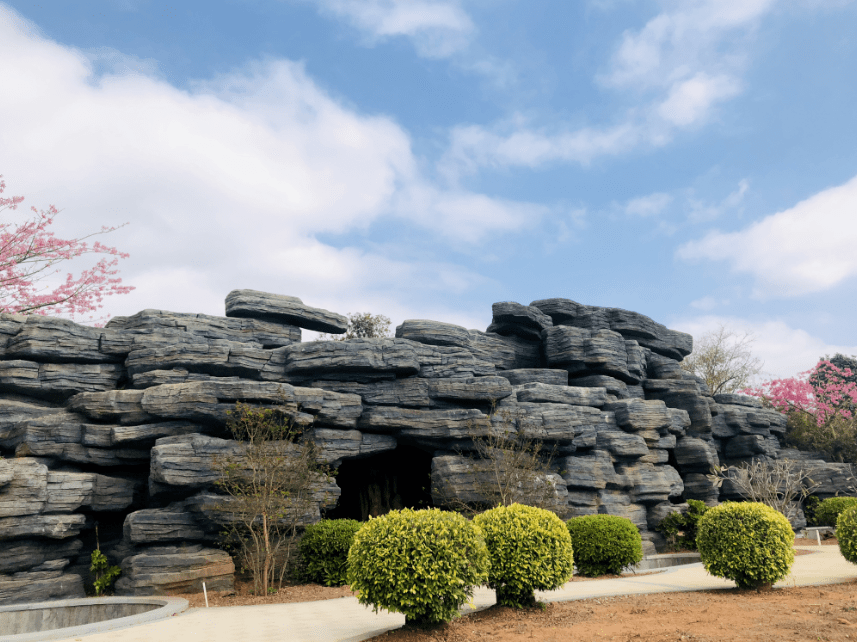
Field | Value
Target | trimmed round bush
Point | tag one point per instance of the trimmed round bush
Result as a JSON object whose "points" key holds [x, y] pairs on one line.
{"points": [[529, 549], [829, 509], [747, 542], [846, 533], [324, 550], [422, 563], [604, 544]]}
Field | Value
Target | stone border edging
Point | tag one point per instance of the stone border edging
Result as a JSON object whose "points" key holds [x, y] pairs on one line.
{"points": [[169, 606]]}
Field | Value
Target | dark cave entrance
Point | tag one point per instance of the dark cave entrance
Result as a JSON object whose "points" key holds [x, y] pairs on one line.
{"points": [[378, 484]]}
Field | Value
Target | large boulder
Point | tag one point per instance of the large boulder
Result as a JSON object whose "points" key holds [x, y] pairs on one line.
{"points": [[167, 570], [524, 321], [279, 308]]}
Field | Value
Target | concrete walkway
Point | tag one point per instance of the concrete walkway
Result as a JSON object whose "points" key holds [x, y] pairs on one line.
{"points": [[344, 619]]}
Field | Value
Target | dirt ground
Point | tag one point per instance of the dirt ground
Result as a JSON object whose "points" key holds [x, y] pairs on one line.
{"points": [[808, 613]]}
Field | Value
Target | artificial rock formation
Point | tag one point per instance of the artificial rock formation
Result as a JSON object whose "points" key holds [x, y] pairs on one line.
{"points": [[120, 426]]}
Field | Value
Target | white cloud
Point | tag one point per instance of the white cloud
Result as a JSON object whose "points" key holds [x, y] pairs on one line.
{"points": [[226, 185], [650, 205], [682, 64], [785, 351], [438, 28], [806, 248]]}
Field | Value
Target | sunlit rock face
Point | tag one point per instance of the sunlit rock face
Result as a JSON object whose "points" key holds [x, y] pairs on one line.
{"points": [[120, 427]]}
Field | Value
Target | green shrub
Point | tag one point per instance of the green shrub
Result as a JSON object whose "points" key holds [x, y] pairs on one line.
{"points": [[680, 528], [422, 563], [604, 544], [810, 506], [324, 550], [529, 548], [105, 574], [747, 542], [829, 509], [846, 533]]}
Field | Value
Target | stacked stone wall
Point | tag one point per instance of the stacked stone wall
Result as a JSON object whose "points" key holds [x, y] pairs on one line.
{"points": [[119, 426]]}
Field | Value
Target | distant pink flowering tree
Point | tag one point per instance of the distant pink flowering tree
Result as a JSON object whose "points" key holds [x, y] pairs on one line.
{"points": [[820, 409], [28, 252]]}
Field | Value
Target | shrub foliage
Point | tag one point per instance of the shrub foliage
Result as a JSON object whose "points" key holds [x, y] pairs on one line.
{"points": [[324, 550], [422, 563], [830, 509], [846, 533], [604, 544], [529, 548], [679, 529], [747, 542]]}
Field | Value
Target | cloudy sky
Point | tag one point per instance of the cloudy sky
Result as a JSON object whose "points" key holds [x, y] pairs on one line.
{"points": [[692, 160]]}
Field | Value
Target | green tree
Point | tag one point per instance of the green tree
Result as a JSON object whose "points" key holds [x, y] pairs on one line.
{"points": [[723, 359], [362, 325]]}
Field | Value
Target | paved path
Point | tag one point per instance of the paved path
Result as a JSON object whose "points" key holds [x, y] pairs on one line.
{"points": [[344, 619]]}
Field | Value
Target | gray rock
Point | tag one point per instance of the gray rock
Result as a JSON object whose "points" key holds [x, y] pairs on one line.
{"points": [[550, 421], [521, 376], [738, 400], [356, 356], [450, 362], [656, 456], [15, 409], [7, 472], [622, 444], [215, 357], [680, 421], [26, 488], [659, 512], [638, 414], [40, 586], [593, 472], [69, 491], [22, 555], [585, 352], [58, 381], [649, 484], [637, 360], [698, 486], [336, 445], [458, 480], [434, 333], [470, 389], [173, 523], [441, 424], [123, 406], [142, 380], [659, 367], [515, 319], [145, 435], [52, 526], [683, 394], [614, 502], [189, 460], [283, 309], [209, 401], [745, 446], [61, 436], [154, 322], [695, 455], [50, 339], [613, 386], [541, 393], [649, 334], [411, 392], [167, 570]]}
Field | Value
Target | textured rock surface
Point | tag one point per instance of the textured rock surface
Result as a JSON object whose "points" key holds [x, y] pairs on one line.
{"points": [[121, 425], [283, 309]]}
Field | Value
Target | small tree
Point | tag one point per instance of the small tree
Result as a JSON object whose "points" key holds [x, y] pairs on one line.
{"points": [[362, 325], [28, 253], [271, 481], [782, 484], [508, 467], [723, 360]]}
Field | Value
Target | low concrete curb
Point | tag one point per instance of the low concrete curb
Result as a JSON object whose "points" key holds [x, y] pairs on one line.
{"points": [[161, 608]]}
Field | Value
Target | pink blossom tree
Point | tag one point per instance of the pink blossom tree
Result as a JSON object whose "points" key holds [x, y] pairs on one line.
{"points": [[820, 409], [28, 254]]}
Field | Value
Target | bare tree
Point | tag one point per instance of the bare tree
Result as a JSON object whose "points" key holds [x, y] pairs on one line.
{"points": [[362, 325], [723, 359], [782, 484], [272, 481], [506, 466]]}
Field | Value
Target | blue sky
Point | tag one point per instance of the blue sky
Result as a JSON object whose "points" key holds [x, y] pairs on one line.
{"points": [[692, 160]]}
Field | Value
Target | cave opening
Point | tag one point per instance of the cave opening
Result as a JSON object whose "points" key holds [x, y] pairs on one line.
{"points": [[375, 485]]}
